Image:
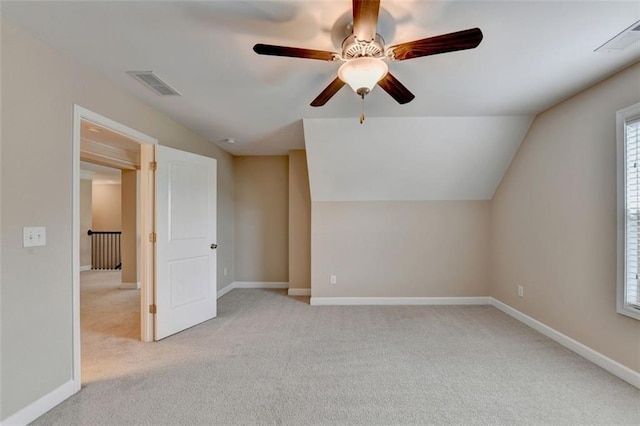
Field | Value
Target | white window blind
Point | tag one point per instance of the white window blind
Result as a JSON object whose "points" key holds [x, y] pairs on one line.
{"points": [[628, 160], [632, 228]]}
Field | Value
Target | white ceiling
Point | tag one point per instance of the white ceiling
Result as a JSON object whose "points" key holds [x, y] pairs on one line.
{"points": [[418, 158], [533, 55]]}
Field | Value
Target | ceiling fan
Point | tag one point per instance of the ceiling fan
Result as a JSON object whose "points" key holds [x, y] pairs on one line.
{"points": [[364, 55]]}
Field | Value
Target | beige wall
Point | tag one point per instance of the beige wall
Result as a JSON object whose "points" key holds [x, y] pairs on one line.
{"points": [[129, 242], [85, 222], [106, 206], [299, 221], [41, 83], [226, 218], [554, 221], [400, 249], [261, 223], [552, 227]]}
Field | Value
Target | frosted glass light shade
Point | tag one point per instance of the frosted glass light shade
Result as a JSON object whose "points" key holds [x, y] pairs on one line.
{"points": [[363, 72]]}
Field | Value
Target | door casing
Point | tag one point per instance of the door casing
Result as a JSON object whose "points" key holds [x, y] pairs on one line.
{"points": [[147, 207]]}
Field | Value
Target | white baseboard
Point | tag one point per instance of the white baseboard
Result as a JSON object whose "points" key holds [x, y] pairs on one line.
{"points": [[42, 405], [324, 301], [261, 284], [85, 268], [55, 397], [252, 284], [129, 286], [299, 292], [226, 289], [613, 367], [608, 364]]}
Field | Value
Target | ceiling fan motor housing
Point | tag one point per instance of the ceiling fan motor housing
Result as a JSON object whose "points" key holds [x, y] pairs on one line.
{"points": [[354, 48]]}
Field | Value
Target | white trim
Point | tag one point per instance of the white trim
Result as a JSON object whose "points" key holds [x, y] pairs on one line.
{"points": [[299, 292], [42, 405], [351, 301], [103, 121], [75, 247], [84, 268], [129, 286], [79, 114], [625, 373], [257, 284], [260, 284], [226, 289], [613, 367]]}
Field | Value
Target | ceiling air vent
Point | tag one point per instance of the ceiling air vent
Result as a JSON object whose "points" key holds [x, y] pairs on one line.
{"points": [[153, 82], [623, 40]]}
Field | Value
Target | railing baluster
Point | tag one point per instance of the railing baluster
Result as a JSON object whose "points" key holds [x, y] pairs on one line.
{"points": [[105, 249], [118, 253]]}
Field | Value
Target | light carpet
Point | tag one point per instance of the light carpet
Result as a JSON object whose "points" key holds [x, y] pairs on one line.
{"points": [[272, 359]]}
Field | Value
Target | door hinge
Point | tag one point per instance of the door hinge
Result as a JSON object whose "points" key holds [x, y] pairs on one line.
{"points": [[152, 237], [153, 166], [152, 309]]}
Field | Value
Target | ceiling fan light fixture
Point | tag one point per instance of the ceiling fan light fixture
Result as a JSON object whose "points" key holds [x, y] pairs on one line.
{"points": [[363, 73], [363, 51]]}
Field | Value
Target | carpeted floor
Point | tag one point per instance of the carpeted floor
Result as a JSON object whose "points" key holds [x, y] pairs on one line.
{"points": [[273, 359], [107, 315]]}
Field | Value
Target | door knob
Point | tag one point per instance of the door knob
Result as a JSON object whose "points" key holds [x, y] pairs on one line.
{"points": [[214, 246]]}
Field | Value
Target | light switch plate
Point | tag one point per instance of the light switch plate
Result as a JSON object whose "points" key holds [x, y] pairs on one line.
{"points": [[34, 236]]}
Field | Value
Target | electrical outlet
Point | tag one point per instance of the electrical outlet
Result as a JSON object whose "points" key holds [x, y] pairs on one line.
{"points": [[224, 271], [520, 291], [333, 279]]}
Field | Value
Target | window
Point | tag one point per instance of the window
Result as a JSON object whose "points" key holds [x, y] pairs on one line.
{"points": [[628, 135]]}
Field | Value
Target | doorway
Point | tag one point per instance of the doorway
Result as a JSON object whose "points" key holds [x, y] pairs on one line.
{"points": [[131, 151], [109, 247], [178, 235]]}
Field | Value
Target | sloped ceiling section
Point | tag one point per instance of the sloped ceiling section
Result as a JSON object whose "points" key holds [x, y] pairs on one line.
{"points": [[418, 158]]}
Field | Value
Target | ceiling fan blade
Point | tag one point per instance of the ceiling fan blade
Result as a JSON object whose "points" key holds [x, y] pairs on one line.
{"points": [[461, 40], [365, 19], [294, 52], [328, 92], [392, 86]]}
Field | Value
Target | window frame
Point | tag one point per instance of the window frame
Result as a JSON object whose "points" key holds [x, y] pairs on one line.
{"points": [[625, 115]]}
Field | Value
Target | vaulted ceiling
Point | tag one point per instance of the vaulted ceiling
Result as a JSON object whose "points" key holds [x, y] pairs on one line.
{"points": [[534, 54]]}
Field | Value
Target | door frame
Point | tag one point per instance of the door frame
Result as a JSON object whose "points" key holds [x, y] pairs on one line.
{"points": [[147, 207]]}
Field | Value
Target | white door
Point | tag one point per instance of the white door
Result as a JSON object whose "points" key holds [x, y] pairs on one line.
{"points": [[185, 244]]}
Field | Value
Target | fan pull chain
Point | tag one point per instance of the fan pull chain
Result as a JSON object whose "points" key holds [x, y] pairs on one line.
{"points": [[362, 117]]}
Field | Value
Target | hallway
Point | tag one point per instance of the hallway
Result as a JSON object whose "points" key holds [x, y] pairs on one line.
{"points": [[109, 321]]}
